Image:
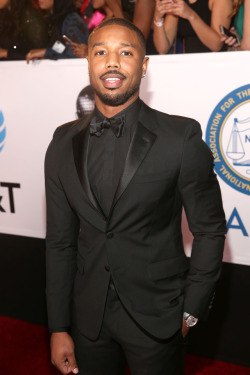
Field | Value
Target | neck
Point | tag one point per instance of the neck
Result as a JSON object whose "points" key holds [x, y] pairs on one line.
{"points": [[109, 13], [110, 111]]}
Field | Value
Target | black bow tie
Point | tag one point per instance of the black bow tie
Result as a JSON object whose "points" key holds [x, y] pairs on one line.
{"points": [[98, 125]]}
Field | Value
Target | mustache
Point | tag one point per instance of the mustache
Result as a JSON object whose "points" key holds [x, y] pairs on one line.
{"points": [[113, 72]]}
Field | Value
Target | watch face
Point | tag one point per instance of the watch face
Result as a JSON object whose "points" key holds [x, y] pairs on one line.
{"points": [[191, 321]]}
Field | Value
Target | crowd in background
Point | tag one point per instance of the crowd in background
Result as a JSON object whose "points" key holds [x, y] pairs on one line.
{"points": [[56, 29]]}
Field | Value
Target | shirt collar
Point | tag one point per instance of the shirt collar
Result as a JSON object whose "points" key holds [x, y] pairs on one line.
{"points": [[131, 112]]}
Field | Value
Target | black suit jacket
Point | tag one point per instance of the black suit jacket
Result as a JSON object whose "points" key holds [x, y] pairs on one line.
{"points": [[168, 166]]}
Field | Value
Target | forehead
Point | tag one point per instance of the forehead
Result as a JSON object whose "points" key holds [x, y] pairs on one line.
{"points": [[114, 35]]}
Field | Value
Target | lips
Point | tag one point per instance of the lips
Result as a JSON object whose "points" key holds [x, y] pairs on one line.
{"points": [[112, 80]]}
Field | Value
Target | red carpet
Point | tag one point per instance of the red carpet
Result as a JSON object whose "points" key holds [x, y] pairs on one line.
{"points": [[24, 350]]}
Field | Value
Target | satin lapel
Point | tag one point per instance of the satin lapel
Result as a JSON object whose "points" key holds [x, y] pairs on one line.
{"points": [[80, 150], [141, 144]]}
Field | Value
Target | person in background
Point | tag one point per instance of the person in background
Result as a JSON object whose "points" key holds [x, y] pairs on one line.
{"points": [[143, 19], [241, 11], [78, 4], [91, 16], [139, 12], [116, 6], [62, 20], [101, 10], [93, 13], [196, 22], [22, 28], [143, 16], [103, 7]]}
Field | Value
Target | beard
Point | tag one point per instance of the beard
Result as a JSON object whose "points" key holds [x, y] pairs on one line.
{"points": [[114, 100]]}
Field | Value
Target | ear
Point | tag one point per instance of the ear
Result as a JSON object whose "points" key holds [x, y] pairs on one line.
{"points": [[145, 65]]}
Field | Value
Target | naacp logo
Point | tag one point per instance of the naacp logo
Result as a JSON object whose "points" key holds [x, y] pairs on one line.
{"points": [[228, 136], [2, 131]]}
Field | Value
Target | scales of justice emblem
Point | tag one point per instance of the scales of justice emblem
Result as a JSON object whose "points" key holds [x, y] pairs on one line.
{"points": [[236, 149], [228, 136]]}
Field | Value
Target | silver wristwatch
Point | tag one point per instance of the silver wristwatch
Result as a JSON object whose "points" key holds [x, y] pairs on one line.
{"points": [[189, 319]]}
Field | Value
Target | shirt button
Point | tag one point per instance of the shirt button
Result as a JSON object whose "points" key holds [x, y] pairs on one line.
{"points": [[110, 235], [107, 268]]}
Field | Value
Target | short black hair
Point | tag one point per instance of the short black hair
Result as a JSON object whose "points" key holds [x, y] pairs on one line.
{"points": [[125, 23]]}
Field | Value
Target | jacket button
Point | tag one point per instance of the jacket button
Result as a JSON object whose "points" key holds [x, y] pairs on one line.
{"points": [[107, 268], [110, 235]]}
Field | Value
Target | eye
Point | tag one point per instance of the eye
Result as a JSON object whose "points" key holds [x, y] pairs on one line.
{"points": [[126, 53], [101, 52]]}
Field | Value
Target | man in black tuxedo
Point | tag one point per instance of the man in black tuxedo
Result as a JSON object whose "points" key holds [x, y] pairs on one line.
{"points": [[119, 286]]}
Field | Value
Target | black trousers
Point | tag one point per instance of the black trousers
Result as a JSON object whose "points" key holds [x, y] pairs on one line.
{"points": [[122, 341]]}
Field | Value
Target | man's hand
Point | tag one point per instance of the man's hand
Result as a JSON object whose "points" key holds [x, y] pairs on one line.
{"points": [[185, 329], [62, 353]]}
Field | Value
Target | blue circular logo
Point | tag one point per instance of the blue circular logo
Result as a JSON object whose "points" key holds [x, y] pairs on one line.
{"points": [[2, 131], [228, 136]]}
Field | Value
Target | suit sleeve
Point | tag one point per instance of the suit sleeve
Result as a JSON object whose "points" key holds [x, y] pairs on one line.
{"points": [[201, 197], [61, 244]]}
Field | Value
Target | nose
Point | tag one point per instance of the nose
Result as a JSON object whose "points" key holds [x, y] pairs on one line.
{"points": [[113, 60]]}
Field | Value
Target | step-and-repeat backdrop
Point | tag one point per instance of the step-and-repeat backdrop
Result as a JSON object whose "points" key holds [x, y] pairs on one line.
{"points": [[213, 88]]}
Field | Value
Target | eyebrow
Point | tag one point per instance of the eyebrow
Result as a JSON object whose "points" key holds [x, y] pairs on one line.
{"points": [[122, 44], [128, 45]]}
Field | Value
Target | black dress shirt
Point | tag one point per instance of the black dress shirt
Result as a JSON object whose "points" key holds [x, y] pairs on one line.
{"points": [[107, 155]]}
